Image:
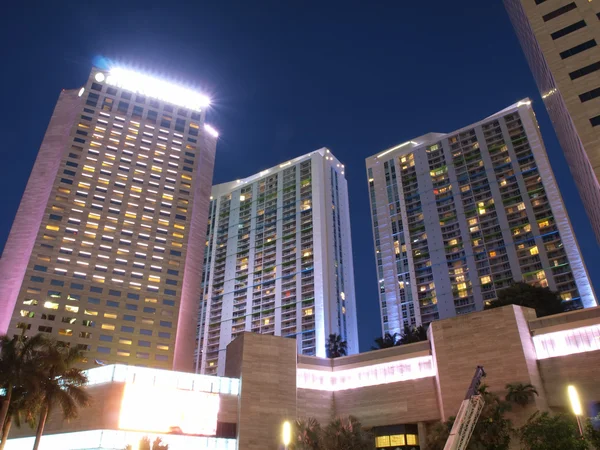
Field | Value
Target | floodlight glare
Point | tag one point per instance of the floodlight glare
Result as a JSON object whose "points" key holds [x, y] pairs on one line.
{"points": [[574, 399], [287, 433], [155, 88]]}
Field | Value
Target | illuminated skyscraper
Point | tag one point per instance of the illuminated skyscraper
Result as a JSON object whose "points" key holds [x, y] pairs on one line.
{"points": [[279, 259], [459, 216], [559, 39], [106, 248]]}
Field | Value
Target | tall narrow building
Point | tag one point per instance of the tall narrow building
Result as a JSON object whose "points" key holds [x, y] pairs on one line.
{"points": [[459, 216], [106, 248], [279, 259], [560, 40]]}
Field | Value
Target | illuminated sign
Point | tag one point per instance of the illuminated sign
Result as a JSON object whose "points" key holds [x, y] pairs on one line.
{"points": [[397, 439], [155, 88], [168, 410], [567, 342]]}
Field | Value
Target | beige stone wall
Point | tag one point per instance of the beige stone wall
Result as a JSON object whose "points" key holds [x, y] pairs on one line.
{"points": [[266, 366]]}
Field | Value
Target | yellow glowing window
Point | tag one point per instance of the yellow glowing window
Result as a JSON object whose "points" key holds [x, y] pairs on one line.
{"points": [[90, 312], [544, 224], [94, 216], [136, 189], [461, 286], [43, 258], [125, 341], [108, 326], [540, 275], [396, 247], [123, 353], [130, 215], [179, 227], [64, 190], [472, 221], [168, 196], [412, 439], [147, 321], [92, 225], [566, 296], [194, 125], [397, 439], [186, 177], [156, 169], [177, 244], [174, 263], [65, 332], [163, 221], [534, 250], [177, 235], [25, 313], [473, 229], [154, 278], [267, 321], [151, 300], [48, 237], [83, 125], [521, 206], [492, 254], [485, 280], [460, 278], [162, 347], [73, 309], [57, 208], [382, 441], [50, 305], [102, 180], [453, 242], [52, 227], [110, 315], [89, 168], [30, 301], [308, 312], [481, 210]]}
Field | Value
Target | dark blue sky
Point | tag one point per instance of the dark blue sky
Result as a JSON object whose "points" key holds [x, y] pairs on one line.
{"points": [[287, 77]]}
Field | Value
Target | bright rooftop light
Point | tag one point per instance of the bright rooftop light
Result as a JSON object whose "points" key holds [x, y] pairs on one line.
{"points": [[155, 88]]}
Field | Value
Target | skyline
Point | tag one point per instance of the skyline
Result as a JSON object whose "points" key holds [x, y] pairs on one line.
{"points": [[353, 114]]}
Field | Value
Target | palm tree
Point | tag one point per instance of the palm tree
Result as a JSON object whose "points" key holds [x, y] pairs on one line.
{"points": [[19, 371], [412, 334], [62, 385], [336, 347], [307, 435], [520, 394], [347, 433], [387, 341]]}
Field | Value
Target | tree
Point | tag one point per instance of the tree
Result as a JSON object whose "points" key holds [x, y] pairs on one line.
{"points": [[592, 434], [551, 432], [520, 394], [543, 300], [146, 444], [343, 433], [307, 435], [19, 374], [412, 334], [336, 347], [346, 433], [492, 431], [387, 341], [62, 384]]}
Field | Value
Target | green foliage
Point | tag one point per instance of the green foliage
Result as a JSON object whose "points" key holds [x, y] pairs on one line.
{"points": [[543, 300], [335, 347], [412, 334], [340, 434], [387, 341], [592, 432], [520, 394], [551, 432]]}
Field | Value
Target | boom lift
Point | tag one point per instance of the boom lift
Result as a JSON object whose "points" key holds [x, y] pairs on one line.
{"points": [[467, 416]]}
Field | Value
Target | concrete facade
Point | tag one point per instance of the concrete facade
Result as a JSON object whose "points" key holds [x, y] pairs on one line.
{"points": [[461, 215], [559, 39], [410, 386]]}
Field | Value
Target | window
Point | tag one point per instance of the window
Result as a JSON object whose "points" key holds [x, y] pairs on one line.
{"points": [[131, 307], [595, 121], [589, 95], [114, 293], [164, 334], [170, 292], [129, 318], [37, 279], [106, 338], [559, 12], [144, 343], [96, 289], [133, 296], [142, 355], [568, 30], [125, 329], [94, 301], [112, 303], [57, 283], [40, 268], [103, 350], [485, 280], [161, 357], [169, 302], [146, 332], [76, 286], [164, 323], [578, 49]]}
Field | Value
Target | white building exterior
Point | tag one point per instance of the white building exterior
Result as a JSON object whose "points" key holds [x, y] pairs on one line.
{"points": [[279, 259]]}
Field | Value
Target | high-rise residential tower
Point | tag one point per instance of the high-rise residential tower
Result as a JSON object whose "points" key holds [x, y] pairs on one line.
{"points": [[279, 259], [560, 40], [107, 245], [459, 216]]}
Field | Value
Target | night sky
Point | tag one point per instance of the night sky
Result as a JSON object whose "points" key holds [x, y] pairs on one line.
{"points": [[287, 77]]}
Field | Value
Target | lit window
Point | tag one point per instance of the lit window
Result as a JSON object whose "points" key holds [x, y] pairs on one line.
{"points": [[533, 250], [108, 326], [486, 280], [50, 305], [73, 309]]}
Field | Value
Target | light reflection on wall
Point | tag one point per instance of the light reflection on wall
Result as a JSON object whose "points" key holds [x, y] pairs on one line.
{"points": [[392, 372], [110, 439], [567, 342], [168, 410], [162, 378]]}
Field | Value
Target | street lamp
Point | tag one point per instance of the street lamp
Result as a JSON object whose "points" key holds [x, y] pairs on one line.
{"points": [[287, 434], [575, 406]]}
